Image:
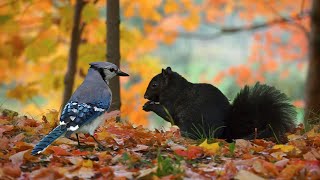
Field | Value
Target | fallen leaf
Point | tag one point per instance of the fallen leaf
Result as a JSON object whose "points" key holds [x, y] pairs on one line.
{"points": [[211, 148], [145, 172], [265, 168], [284, 148], [22, 146], [28, 157], [247, 175], [5, 128], [87, 163], [243, 144], [140, 147], [309, 156], [4, 141], [11, 170], [77, 152], [282, 163], [290, 171], [59, 151], [175, 146], [17, 159], [293, 137], [46, 173], [192, 152]]}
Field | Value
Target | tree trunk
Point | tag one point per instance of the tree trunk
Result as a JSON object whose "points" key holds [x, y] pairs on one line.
{"points": [[73, 52], [312, 111], [113, 48]]}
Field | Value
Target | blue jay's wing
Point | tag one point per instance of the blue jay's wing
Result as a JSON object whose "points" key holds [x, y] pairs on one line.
{"points": [[88, 102], [76, 114]]}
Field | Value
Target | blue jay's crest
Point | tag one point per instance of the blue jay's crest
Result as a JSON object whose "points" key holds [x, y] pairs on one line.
{"points": [[103, 65]]}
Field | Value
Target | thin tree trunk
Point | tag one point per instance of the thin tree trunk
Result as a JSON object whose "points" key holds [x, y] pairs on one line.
{"points": [[113, 47], [73, 51], [312, 112]]}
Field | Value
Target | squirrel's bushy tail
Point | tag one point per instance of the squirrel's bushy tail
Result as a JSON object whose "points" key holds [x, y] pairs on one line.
{"points": [[260, 111], [48, 139]]}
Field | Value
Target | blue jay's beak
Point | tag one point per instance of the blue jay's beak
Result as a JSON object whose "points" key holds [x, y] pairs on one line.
{"points": [[120, 73]]}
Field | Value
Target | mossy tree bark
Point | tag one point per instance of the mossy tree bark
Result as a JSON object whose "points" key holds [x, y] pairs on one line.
{"points": [[312, 111]]}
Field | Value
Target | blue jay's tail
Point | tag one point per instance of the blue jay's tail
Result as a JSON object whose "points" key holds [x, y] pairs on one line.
{"points": [[48, 139]]}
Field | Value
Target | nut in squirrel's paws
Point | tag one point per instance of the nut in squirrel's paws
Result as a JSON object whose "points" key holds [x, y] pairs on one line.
{"points": [[148, 105]]}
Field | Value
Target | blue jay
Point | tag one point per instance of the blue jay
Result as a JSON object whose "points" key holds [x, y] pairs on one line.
{"points": [[83, 112]]}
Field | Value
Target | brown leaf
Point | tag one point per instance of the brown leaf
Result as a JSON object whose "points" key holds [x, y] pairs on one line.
{"points": [[140, 147], [5, 128], [4, 141], [247, 175], [309, 156], [11, 170], [22, 146], [17, 158], [290, 171], [46, 173], [28, 157]]}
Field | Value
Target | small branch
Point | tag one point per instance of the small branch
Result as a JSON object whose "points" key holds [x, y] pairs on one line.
{"points": [[232, 30], [82, 27], [299, 26]]}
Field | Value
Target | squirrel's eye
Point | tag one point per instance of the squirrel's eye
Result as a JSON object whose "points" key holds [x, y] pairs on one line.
{"points": [[154, 85]]}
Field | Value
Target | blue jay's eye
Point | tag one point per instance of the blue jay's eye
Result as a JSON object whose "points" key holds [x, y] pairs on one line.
{"points": [[111, 70]]}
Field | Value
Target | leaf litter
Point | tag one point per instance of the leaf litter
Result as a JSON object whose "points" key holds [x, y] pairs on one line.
{"points": [[137, 153]]}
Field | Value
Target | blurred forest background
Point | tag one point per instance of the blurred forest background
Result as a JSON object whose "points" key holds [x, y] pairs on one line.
{"points": [[228, 43]]}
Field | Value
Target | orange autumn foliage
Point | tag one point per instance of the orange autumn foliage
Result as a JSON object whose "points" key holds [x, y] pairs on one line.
{"points": [[35, 37]]}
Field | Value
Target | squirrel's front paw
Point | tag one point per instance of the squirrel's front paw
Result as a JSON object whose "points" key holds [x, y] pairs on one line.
{"points": [[149, 105]]}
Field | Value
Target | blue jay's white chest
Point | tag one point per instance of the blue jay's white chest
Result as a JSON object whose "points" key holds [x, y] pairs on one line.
{"points": [[92, 126]]}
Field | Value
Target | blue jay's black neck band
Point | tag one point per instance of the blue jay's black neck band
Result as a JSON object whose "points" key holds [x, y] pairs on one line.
{"points": [[101, 72]]}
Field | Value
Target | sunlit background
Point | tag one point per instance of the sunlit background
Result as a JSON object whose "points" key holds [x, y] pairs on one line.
{"points": [[228, 43]]}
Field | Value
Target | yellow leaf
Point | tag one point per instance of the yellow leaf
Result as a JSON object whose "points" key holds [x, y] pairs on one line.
{"points": [[212, 148], [192, 22], [52, 117], [312, 133], [284, 148], [171, 7], [87, 163]]}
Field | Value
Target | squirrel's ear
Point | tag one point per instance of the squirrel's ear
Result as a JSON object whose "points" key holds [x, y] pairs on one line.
{"points": [[168, 70]]}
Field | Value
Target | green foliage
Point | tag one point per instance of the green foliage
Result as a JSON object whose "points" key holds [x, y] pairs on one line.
{"points": [[4, 19], [232, 147], [274, 134], [90, 12], [168, 115], [87, 52], [66, 14], [201, 134], [167, 166], [40, 48]]}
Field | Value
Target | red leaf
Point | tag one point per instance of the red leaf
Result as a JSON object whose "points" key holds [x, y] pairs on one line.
{"points": [[77, 152], [59, 151], [191, 153]]}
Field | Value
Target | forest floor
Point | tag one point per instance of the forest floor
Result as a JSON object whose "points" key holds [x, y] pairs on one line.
{"points": [[137, 153]]}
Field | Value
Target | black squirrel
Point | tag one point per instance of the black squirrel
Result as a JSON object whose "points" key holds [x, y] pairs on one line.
{"points": [[202, 110]]}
